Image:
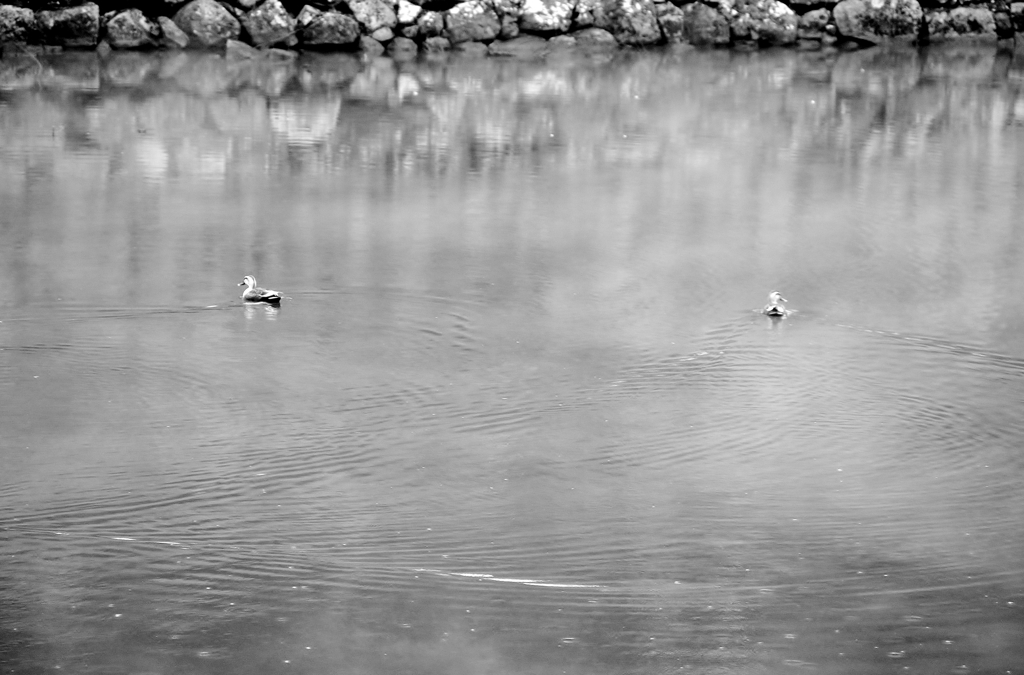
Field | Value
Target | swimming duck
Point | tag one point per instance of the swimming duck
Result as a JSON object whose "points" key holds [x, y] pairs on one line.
{"points": [[775, 306], [253, 293]]}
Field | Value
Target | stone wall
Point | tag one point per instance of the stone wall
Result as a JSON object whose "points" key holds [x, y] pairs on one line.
{"points": [[497, 27]]}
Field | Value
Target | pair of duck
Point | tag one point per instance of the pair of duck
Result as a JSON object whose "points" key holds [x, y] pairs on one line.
{"points": [[254, 293]]}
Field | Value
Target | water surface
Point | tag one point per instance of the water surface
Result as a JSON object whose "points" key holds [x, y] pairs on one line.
{"points": [[518, 412]]}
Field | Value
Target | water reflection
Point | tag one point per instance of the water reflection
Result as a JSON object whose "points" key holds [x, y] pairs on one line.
{"points": [[519, 410]]}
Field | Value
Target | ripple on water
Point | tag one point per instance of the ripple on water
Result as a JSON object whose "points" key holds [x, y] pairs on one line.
{"points": [[816, 457]]}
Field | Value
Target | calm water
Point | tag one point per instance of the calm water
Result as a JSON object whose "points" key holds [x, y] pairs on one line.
{"points": [[518, 413]]}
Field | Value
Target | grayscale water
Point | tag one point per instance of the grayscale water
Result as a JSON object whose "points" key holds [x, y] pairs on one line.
{"points": [[518, 413]]}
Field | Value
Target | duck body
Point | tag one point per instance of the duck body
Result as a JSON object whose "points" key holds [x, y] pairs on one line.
{"points": [[775, 307], [254, 293]]}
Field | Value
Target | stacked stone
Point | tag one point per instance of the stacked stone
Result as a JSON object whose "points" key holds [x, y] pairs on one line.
{"points": [[506, 27]]}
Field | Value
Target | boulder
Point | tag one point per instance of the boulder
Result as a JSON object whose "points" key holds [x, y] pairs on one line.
{"points": [[131, 29], [326, 29], [974, 23], [471, 21], [207, 24], [402, 47], [373, 14], [470, 48], [269, 24], [509, 27], [704, 26], [812, 25], [522, 47], [878, 20], [764, 22], [672, 22], [369, 46], [595, 38], [509, 12], [632, 22], [510, 8], [1017, 16], [71, 27], [171, 37], [1004, 24], [436, 45], [408, 12], [430, 24], [236, 50], [383, 34], [546, 16], [17, 24], [801, 6], [562, 42], [590, 13]]}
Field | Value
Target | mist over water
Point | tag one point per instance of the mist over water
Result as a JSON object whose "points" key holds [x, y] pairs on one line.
{"points": [[518, 412]]}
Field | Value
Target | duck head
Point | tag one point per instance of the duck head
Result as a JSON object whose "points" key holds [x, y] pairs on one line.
{"points": [[249, 281], [774, 297]]}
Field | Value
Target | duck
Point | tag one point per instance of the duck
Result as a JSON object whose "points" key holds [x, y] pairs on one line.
{"points": [[254, 293], [775, 306]]}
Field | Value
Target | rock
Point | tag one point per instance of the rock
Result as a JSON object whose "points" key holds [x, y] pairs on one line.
{"points": [[800, 6], [369, 46], [430, 24], [326, 29], [509, 27], [471, 48], [17, 24], [975, 23], [269, 24], [278, 55], [408, 12], [546, 16], [764, 22], [436, 45], [473, 20], [632, 22], [71, 27], [562, 42], [402, 47], [171, 37], [672, 22], [131, 29], [1004, 25], [1017, 16], [411, 32], [811, 26], [373, 14], [522, 47], [589, 13], [509, 12], [235, 50], [595, 38], [207, 24], [878, 20], [704, 26], [383, 35]]}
